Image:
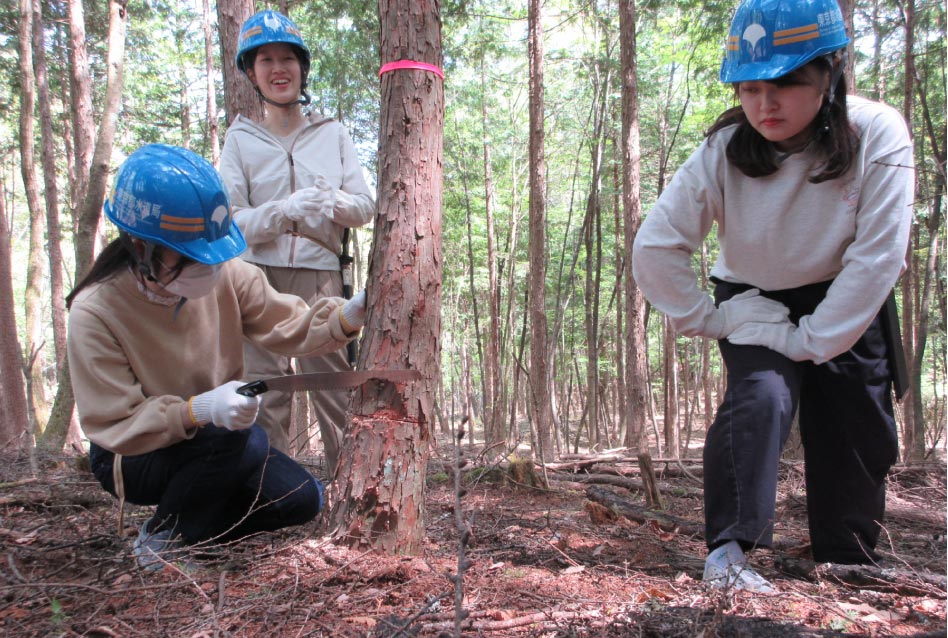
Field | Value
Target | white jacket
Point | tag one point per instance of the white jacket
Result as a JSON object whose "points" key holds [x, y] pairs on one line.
{"points": [[260, 173]]}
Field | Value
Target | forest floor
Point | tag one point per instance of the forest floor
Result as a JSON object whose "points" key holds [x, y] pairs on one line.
{"points": [[544, 562]]}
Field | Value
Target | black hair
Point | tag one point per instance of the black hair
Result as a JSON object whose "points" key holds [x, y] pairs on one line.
{"points": [[835, 138], [119, 254]]}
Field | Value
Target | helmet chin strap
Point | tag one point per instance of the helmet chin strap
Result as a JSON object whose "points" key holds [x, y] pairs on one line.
{"points": [[302, 100], [143, 263], [837, 62]]}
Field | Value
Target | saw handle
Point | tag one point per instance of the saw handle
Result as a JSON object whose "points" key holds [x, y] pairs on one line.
{"points": [[252, 389]]}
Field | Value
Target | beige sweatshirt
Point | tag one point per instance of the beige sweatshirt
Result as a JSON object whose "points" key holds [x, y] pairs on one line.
{"points": [[133, 364]]}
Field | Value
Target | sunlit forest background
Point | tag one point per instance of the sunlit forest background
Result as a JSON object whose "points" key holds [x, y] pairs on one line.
{"points": [[899, 58]]}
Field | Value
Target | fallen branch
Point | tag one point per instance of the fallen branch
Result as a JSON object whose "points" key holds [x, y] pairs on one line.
{"points": [[635, 485], [639, 514], [888, 579]]}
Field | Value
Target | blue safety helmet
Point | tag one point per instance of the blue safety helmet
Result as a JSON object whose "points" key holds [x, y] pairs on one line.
{"points": [[770, 38], [171, 196], [269, 27]]}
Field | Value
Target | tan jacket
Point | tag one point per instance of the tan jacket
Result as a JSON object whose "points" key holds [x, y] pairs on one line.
{"points": [[261, 172], [133, 364]]}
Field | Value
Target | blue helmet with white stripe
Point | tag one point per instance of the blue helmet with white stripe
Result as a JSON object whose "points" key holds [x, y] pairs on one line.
{"points": [[770, 38]]}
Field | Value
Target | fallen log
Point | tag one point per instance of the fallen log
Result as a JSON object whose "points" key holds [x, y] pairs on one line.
{"points": [[636, 485], [643, 515], [888, 579]]}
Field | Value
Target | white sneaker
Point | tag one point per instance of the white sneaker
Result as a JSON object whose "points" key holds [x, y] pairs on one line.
{"points": [[153, 549], [726, 568]]}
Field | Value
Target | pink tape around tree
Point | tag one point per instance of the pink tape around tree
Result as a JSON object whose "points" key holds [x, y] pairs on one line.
{"points": [[411, 64]]}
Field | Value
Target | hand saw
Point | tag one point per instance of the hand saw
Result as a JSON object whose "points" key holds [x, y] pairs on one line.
{"points": [[321, 381]]}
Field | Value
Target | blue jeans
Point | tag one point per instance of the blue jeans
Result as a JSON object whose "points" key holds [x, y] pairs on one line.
{"points": [[846, 426], [218, 486]]}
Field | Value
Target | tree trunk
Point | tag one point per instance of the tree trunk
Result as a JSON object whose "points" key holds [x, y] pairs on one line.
{"points": [[54, 437], [381, 478], [636, 370], [61, 415], [540, 400], [913, 441], [80, 85], [671, 419], [494, 410], [90, 210], [35, 269], [14, 419], [213, 127], [239, 95]]}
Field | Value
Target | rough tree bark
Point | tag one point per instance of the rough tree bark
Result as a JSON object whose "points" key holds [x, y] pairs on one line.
{"points": [[380, 483], [213, 127], [636, 362], [14, 419], [494, 408], [61, 423], [52, 433], [239, 96], [35, 269], [541, 401]]}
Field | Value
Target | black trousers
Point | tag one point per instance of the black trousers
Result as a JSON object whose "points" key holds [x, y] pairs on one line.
{"points": [[218, 486], [847, 429]]}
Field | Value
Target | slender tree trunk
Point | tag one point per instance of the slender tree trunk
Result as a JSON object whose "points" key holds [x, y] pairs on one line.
{"points": [[35, 270], [50, 437], [636, 372], [90, 211], [380, 483], [213, 126], [930, 274], [61, 418], [239, 95], [14, 415], [913, 445], [82, 125], [541, 403], [671, 390], [494, 411]]}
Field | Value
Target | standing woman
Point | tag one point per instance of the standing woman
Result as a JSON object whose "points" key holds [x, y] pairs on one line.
{"points": [[156, 331], [812, 194], [296, 186]]}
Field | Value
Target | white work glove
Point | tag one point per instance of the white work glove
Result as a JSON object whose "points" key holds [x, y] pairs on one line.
{"points": [[223, 407], [779, 337], [318, 199], [746, 307], [352, 313]]}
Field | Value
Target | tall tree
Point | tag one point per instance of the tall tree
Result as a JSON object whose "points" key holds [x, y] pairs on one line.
{"points": [[88, 212], [239, 96], [14, 419], [51, 198], [36, 272], [541, 400], [213, 128], [381, 477]]}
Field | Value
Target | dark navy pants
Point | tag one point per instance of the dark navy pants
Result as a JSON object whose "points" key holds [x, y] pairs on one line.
{"points": [[219, 485], [847, 429]]}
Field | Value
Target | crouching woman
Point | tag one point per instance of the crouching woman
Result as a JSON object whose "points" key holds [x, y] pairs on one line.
{"points": [[156, 336]]}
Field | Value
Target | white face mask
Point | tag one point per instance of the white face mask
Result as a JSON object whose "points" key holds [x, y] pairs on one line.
{"points": [[195, 281]]}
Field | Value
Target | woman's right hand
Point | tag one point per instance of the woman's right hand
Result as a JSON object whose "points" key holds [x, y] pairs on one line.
{"points": [[223, 407]]}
